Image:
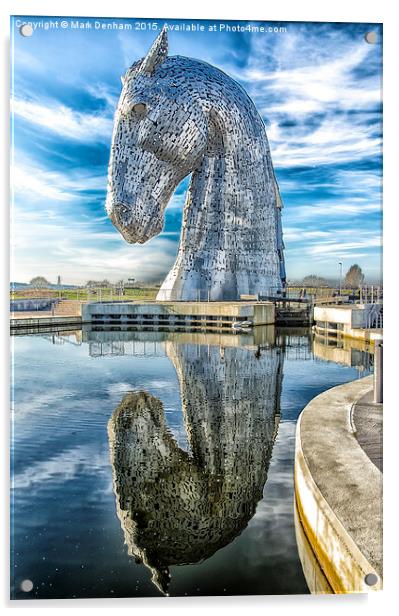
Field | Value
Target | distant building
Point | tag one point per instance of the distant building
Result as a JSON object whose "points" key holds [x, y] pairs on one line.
{"points": [[59, 281]]}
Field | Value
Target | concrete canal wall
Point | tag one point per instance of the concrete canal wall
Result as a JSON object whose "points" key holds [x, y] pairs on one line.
{"points": [[192, 314], [252, 339], [338, 491], [24, 325], [314, 575], [179, 316], [359, 321], [350, 352]]}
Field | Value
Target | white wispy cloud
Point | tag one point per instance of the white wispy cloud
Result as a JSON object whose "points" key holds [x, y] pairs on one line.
{"points": [[340, 181], [306, 74], [29, 179], [64, 121], [316, 87], [334, 210], [313, 251], [37, 402], [62, 467], [104, 92], [316, 242], [339, 248], [44, 185], [336, 140], [297, 234]]}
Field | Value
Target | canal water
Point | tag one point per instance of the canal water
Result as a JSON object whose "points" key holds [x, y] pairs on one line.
{"points": [[146, 463]]}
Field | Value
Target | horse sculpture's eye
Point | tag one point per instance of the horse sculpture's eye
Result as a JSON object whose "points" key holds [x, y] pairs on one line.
{"points": [[139, 108]]}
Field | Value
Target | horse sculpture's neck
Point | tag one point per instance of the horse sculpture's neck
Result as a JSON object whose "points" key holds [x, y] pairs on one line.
{"points": [[231, 239]]}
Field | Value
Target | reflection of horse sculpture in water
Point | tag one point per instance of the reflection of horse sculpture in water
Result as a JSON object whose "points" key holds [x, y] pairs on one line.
{"points": [[177, 507], [178, 116]]}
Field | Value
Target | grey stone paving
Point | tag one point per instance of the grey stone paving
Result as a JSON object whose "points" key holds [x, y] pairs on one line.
{"points": [[367, 418]]}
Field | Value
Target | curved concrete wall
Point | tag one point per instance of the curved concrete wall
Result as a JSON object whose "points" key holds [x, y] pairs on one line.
{"points": [[338, 491], [314, 575]]}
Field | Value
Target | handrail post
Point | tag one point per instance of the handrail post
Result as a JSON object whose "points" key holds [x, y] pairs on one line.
{"points": [[378, 371]]}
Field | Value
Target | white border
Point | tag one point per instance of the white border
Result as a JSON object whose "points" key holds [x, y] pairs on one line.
{"points": [[281, 10]]}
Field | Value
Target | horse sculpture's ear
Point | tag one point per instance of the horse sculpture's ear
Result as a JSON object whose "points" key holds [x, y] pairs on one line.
{"points": [[157, 53]]}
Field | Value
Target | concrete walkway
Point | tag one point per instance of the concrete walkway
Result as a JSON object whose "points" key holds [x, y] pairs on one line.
{"points": [[338, 488], [367, 421]]}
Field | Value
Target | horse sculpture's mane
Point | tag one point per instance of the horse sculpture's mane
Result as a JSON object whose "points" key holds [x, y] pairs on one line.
{"points": [[178, 116]]}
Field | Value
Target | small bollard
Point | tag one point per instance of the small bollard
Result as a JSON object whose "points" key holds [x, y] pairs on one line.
{"points": [[378, 371]]}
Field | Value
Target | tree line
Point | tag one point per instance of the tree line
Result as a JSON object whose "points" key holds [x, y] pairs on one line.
{"points": [[354, 278]]}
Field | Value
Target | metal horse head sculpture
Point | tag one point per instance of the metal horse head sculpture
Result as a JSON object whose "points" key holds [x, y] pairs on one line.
{"points": [[178, 116]]}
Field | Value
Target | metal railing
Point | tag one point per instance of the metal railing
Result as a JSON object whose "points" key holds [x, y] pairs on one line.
{"points": [[375, 317]]}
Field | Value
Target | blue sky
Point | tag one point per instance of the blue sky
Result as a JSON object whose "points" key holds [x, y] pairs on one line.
{"points": [[317, 87]]}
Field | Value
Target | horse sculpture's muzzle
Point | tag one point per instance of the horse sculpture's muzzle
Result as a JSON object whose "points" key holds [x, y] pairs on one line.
{"points": [[135, 222]]}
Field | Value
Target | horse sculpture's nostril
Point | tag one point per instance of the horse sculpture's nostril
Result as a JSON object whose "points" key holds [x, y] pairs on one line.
{"points": [[122, 214]]}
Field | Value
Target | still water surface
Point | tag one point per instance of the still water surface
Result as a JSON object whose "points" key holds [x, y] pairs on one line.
{"points": [[147, 464]]}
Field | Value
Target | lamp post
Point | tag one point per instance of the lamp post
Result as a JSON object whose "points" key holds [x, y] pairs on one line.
{"points": [[340, 276]]}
